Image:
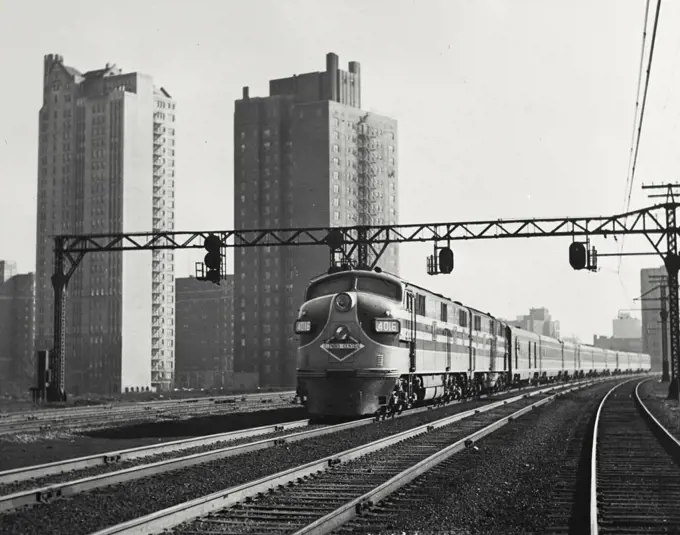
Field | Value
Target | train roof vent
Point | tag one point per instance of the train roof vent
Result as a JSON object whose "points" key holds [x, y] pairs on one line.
{"points": [[458, 303]]}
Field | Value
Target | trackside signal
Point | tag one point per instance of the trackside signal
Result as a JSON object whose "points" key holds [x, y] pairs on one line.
{"points": [[445, 260], [578, 255], [213, 260]]}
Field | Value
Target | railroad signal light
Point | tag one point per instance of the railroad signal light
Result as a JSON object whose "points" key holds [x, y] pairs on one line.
{"points": [[578, 255], [445, 260], [213, 259]]}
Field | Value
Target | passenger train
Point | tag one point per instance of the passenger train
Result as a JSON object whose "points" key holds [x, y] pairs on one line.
{"points": [[371, 343]]}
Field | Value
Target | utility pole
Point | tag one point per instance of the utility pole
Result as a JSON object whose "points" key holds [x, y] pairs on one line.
{"points": [[663, 315], [672, 263]]}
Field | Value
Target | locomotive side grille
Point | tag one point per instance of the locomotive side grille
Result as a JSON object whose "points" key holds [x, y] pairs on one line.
{"points": [[381, 361]]}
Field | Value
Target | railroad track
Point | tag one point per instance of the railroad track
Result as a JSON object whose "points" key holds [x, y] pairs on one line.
{"points": [[46, 482], [322, 495], [636, 487], [105, 415]]}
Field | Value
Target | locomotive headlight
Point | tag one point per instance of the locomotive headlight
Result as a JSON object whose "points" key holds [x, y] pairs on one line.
{"points": [[343, 302], [386, 326], [303, 326]]}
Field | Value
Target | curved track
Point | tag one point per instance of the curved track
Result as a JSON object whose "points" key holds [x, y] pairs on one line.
{"points": [[324, 494], [636, 484]]}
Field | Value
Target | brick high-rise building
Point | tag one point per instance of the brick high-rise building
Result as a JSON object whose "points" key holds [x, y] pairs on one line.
{"points": [[306, 155], [106, 164], [16, 330], [204, 345]]}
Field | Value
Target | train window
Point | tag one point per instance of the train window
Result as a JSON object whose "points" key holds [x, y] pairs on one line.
{"points": [[420, 304], [444, 313], [337, 284], [379, 286], [478, 323], [462, 318]]}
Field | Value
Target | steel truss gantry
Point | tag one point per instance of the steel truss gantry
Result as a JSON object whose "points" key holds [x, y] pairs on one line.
{"points": [[657, 223]]}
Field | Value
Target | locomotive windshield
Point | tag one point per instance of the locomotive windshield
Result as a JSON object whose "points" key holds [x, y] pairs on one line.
{"points": [[332, 285], [379, 286], [346, 283]]}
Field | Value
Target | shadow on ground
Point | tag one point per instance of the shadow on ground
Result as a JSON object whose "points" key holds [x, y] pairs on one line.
{"points": [[200, 426]]}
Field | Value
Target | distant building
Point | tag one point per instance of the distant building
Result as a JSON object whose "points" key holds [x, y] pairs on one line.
{"points": [[626, 326], [538, 321], [106, 164], [204, 347], [16, 332], [7, 270], [307, 155], [631, 345], [650, 293]]}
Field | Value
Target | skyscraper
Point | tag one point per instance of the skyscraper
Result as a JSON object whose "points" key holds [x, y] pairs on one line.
{"points": [[106, 165], [306, 155]]}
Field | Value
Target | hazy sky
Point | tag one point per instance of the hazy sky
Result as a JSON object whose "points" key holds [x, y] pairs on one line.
{"points": [[506, 109]]}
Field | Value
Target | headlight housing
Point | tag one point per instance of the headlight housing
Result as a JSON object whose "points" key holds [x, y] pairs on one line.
{"points": [[386, 326], [343, 302], [303, 326]]}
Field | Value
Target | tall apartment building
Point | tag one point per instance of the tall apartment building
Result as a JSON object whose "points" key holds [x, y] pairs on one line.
{"points": [[106, 165], [306, 155], [204, 345], [651, 321], [16, 330]]}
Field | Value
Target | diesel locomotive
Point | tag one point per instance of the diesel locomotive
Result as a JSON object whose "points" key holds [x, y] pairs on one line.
{"points": [[371, 343]]}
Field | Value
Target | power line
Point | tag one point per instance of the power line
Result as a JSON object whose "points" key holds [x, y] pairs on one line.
{"points": [[642, 109], [637, 101]]}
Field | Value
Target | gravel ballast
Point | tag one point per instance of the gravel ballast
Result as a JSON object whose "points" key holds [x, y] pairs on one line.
{"points": [[524, 478], [653, 394], [29, 449], [86, 513], [37, 483]]}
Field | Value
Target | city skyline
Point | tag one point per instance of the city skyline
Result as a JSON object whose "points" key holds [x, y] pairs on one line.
{"points": [[469, 130]]}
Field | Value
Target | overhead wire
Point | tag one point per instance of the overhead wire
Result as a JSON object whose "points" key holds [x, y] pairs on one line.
{"points": [[638, 130]]}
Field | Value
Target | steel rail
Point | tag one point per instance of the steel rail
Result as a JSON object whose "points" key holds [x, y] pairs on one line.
{"points": [[636, 465], [354, 508], [67, 412], [105, 458], [110, 457], [159, 521]]}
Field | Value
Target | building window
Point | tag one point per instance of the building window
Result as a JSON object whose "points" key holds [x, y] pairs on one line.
{"points": [[336, 148], [336, 188], [336, 202], [336, 216], [336, 175]]}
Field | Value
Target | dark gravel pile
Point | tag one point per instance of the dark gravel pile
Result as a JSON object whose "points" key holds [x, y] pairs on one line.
{"points": [[103, 469], [86, 513], [653, 394], [522, 479], [34, 449]]}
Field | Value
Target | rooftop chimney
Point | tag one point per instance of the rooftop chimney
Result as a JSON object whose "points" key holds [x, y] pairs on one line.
{"points": [[246, 93]]}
